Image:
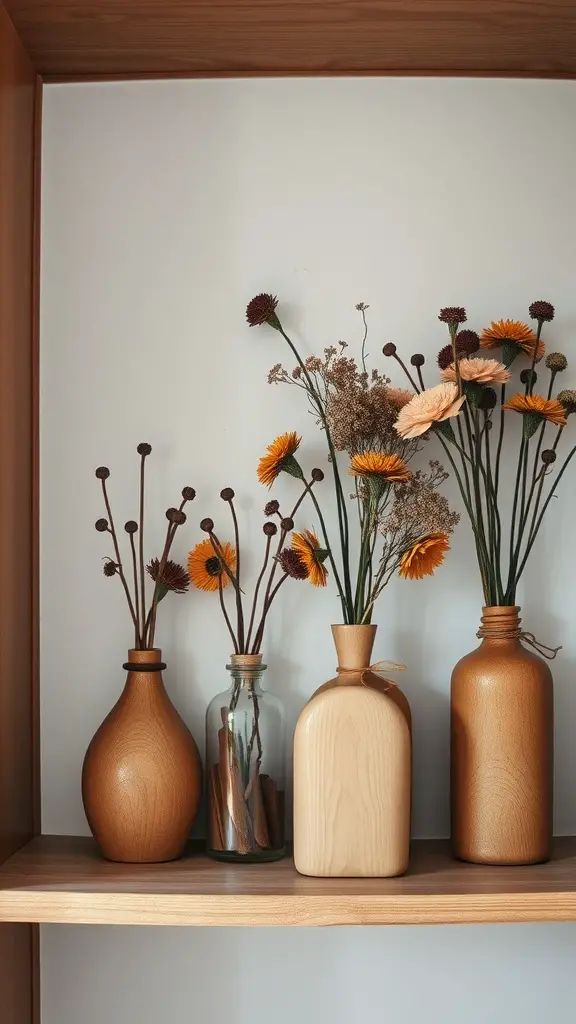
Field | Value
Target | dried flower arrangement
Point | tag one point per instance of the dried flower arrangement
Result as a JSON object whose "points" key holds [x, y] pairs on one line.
{"points": [[245, 803], [465, 410], [167, 575], [212, 565], [404, 522]]}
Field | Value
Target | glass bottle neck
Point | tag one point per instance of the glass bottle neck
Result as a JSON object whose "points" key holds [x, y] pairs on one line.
{"points": [[246, 671], [247, 679]]}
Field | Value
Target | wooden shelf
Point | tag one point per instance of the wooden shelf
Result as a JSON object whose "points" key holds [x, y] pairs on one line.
{"points": [[63, 880]]}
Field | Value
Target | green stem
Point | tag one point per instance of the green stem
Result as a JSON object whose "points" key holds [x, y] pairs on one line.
{"points": [[529, 382], [481, 555], [534, 532], [348, 619]]}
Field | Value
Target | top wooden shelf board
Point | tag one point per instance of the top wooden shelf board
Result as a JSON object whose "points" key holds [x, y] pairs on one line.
{"points": [[136, 38], [62, 879]]}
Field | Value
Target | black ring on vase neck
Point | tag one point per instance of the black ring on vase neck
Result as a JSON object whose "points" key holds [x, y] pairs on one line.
{"points": [[132, 666]]}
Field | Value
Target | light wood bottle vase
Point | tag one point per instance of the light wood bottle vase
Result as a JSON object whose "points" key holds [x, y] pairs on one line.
{"points": [[352, 770], [502, 748], [142, 775]]}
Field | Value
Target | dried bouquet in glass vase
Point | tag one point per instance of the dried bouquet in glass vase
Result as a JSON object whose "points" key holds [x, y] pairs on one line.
{"points": [[501, 742], [245, 742], [141, 780]]}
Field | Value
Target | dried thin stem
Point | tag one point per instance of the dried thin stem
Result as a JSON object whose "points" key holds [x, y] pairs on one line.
{"points": [[239, 608], [257, 590], [141, 542], [267, 606], [140, 627], [118, 558], [225, 614]]}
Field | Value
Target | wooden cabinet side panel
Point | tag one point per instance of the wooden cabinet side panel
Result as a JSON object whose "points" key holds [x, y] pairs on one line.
{"points": [[19, 121]]}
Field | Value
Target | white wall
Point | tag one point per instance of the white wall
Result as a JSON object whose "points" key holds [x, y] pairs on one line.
{"points": [[166, 206]]}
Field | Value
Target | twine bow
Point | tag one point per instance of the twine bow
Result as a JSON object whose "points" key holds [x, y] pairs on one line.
{"points": [[378, 669], [503, 633]]}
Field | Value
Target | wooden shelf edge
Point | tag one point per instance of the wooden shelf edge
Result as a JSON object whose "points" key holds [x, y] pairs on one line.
{"points": [[63, 880], [282, 911]]}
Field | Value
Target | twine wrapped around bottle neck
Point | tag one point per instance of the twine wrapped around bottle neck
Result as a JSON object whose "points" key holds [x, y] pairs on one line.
{"points": [[503, 623], [379, 668]]}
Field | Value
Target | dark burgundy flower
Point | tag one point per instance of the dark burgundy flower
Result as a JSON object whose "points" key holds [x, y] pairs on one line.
{"points": [[271, 508], [188, 493], [291, 562], [102, 472], [270, 529], [262, 310], [174, 576], [110, 568], [131, 526], [452, 315], [541, 310], [445, 357], [101, 525], [417, 359], [227, 494], [468, 342], [144, 448], [389, 349], [207, 525]]}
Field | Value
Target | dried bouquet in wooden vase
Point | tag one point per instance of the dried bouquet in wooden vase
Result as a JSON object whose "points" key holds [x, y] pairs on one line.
{"points": [[142, 776], [245, 743], [397, 521], [167, 576], [468, 411], [353, 738], [502, 692]]}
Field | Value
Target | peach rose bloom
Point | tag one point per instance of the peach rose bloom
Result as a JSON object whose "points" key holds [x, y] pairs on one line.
{"points": [[429, 407], [483, 371]]}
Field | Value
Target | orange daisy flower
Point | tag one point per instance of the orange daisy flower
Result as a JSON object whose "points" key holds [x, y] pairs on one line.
{"points": [[312, 555], [280, 457], [549, 409], [390, 468], [511, 332], [205, 567], [424, 556]]}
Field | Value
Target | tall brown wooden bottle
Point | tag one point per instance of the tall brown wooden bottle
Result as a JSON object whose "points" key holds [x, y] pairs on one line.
{"points": [[502, 748]]}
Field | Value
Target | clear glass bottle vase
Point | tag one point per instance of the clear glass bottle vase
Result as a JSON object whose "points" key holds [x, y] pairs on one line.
{"points": [[245, 767]]}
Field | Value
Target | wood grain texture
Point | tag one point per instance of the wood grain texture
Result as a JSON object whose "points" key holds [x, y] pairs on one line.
{"points": [[352, 785], [352, 771], [502, 734], [62, 879], [17, 401], [275, 37], [142, 775], [20, 96]]}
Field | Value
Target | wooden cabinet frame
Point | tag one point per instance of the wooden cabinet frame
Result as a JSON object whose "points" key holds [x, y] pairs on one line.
{"points": [[98, 39]]}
